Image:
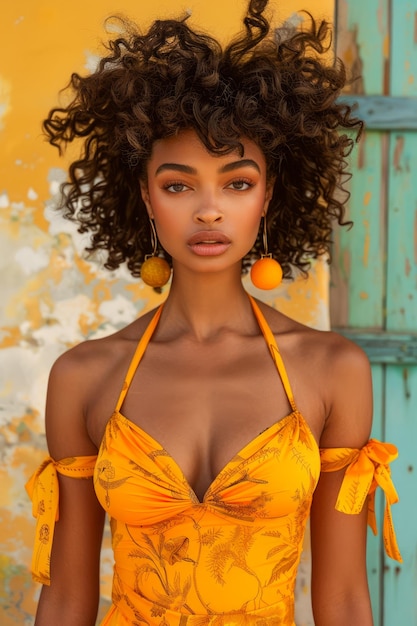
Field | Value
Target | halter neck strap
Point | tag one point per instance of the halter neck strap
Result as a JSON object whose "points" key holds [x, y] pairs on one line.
{"points": [[139, 352], [266, 331], [275, 353]]}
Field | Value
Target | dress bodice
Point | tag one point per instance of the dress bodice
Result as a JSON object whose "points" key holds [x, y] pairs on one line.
{"points": [[179, 560]]}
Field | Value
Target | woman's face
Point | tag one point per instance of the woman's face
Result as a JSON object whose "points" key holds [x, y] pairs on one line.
{"points": [[206, 208]]}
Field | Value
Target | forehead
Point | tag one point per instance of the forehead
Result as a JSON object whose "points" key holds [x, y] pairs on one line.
{"points": [[186, 147]]}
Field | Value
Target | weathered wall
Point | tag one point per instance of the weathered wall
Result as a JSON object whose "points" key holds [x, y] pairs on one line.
{"points": [[51, 296]]}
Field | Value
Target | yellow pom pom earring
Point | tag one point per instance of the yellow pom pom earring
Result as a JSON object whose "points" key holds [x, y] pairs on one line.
{"points": [[155, 271], [266, 273]]}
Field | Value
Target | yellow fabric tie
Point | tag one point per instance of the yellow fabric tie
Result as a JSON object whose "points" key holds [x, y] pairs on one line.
{"points": [[43, 490], [367, 469]]}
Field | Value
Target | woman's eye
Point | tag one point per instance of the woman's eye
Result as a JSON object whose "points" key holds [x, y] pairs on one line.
{"points": [[240, 185], [175, 187]]}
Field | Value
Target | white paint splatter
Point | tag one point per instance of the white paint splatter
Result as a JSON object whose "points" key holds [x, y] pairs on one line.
{"points": [[119, 310], [4, 201], [18, 206], [32, 195], [91, 61], [64, 328], [56, 176], [5, 99], [30, 260], [25, 383]]}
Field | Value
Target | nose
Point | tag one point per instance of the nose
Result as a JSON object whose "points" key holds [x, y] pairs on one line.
{"points": [[208, 211]]}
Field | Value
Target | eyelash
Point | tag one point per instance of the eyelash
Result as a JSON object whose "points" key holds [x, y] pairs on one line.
{"points": [[240, 181], [244, 181], [175, 183]]}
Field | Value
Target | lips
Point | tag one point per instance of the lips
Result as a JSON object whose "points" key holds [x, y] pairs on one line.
{"points": [[208, 243], [208, 237]]}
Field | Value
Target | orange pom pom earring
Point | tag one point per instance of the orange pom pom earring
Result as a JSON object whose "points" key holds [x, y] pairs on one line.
{"points": [[266, 273], [155, 271]]}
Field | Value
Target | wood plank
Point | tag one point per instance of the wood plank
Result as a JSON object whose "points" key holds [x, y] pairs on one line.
{"points": [[384, 112], [373, 549], [363, 44], [385, 347], [400, 584], [362, 248], [359, 255], [402, 213], [401, 305], [400, 598], [358, 271]]}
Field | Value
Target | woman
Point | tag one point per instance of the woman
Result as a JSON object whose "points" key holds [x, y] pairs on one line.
{"points": [[197, 427]]}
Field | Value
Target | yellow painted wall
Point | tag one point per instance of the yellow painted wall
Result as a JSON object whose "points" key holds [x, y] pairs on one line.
{"points": [[51, 297]]}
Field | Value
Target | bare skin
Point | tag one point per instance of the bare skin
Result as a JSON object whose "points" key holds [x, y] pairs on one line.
{"points": [[206, 386]]}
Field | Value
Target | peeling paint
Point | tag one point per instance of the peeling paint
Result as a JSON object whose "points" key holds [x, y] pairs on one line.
{"points": [[407, 267], [32, 195], [31, 260], [367, 198], [386, 46], [415, 236], [5, 99], [351, 56], [398, 152], [366, 246], [362, 152]]}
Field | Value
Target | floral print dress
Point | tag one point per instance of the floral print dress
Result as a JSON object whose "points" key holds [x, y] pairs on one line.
{"points": [[230, 559]]}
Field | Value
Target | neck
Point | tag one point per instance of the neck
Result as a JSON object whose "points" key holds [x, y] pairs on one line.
{"points": [[205, 305]]}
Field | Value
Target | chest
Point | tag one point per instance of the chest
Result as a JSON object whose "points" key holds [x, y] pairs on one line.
{"points": [[203, 404], [207, 390]]}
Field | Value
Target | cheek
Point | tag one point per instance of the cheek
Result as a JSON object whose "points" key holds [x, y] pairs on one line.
{"points": [[161, 208], [253, 214], [168, 225]]}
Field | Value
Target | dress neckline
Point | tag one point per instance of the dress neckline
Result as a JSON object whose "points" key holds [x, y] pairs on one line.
{"points": [[240, 456], [256, 442], [266, 332]]}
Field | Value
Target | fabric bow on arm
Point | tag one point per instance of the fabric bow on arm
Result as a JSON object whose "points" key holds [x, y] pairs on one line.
{"points": [[43, 490], [366, 469]]}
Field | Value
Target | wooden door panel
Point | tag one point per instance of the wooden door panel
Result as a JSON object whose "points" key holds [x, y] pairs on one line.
{"points": [[401, 307], [363, 43], [358, 273], [400, 585], [374, 555], [374, 282]]}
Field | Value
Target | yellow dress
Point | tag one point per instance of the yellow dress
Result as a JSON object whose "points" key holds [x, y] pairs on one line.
{"points": [[230, 559]]}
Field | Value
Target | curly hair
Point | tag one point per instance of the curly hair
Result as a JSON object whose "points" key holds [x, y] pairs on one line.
{"points": [[277, 89]]}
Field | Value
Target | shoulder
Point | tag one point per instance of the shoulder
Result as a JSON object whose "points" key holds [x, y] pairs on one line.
{"points": [[336, 371], [83, 380], [84, 372], [332, 349], [93, 357], [349, 402]]}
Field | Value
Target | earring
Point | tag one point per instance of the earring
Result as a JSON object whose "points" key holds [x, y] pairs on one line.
{"points": [[266, 273], [154, 271]]}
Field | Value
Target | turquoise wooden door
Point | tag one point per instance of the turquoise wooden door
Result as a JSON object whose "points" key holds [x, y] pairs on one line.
{"points": [[374, 280]]}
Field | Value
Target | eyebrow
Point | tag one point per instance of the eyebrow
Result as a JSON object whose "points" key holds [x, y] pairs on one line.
{"points": [[187, 169]]}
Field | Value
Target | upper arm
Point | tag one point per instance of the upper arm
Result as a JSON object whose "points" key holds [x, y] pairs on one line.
{"points": [[72, 596], [339, 540], [69, 387]]}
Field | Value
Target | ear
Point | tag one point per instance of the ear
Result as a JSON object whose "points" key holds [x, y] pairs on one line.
{"points": [[145, 197], [268, 195]]}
